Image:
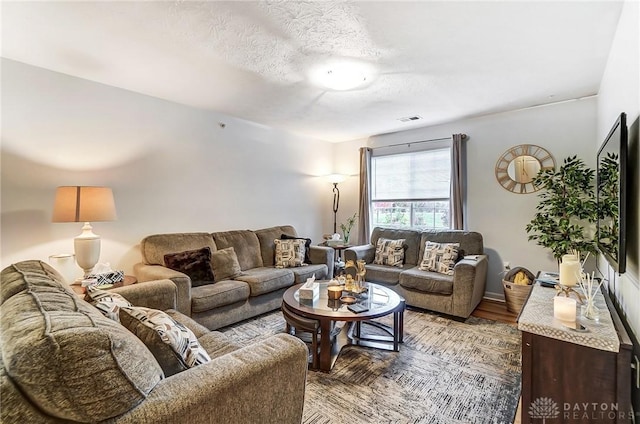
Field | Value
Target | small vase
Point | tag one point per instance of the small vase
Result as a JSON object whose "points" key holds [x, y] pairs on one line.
{"points": [[591, 311], [346, 238]]}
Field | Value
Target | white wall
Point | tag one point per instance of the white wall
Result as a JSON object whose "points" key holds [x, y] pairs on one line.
{"points": [[564, 129], [172, 168], [620, 92]]}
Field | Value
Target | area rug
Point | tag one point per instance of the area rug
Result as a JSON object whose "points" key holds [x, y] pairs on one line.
{"points": [[446, 372]]}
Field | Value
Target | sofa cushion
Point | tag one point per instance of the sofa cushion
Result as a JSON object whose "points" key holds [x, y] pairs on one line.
{"points": [[225, 264], [205, 298], [289, 253], [440, 257], [470, 242], [217, 344], [174, 346], [265, 280], [266, 237], [108, 303], [194, 263], [427, 281], [105, 369], [302, 273], [154, 247], [245, 244], [384, 274], [389, 252]]}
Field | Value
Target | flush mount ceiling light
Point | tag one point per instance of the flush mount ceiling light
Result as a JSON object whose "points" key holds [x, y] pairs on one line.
{"points": [[343, 75]]}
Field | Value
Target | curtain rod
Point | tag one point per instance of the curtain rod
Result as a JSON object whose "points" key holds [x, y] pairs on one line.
{"points": [[464, 136]]}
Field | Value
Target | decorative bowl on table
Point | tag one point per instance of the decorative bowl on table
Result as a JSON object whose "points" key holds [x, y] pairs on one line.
{"points": [[349, 300]]}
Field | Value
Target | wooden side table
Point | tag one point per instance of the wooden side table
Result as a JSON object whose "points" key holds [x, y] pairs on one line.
{"points": [[338, 261], [127, 281]]}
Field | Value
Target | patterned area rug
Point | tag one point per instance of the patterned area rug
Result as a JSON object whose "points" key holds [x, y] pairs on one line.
{"points": [[446, 372]]}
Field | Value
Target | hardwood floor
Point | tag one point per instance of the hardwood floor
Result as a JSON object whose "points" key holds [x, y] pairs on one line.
{"points": [[494, 310], [497, 311]]}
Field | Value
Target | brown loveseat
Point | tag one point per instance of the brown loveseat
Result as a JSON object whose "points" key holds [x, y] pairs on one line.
{"points": [[258, 288], [456, 294], [63, 361]]}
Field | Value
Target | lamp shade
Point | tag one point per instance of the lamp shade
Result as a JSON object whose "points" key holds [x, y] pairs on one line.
{"points": [[336, 178], [83, 204]]}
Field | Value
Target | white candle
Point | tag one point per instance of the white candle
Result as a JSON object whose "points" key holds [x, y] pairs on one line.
{"points": [[569, 272], [568, 258], [564, 308]]}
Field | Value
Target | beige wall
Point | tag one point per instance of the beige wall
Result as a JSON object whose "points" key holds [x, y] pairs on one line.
{"points": [[564, 129], [620, 92], [172, 168]]}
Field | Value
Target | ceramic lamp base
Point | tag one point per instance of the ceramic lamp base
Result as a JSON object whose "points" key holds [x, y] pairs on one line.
{"points": [[87, 249]]}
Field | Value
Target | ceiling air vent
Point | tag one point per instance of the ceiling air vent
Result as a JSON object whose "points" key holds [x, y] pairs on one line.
{"points": [[410, 118]]}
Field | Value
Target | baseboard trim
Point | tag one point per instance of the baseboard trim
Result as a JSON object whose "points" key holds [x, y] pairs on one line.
{"points": [[498, 297]]}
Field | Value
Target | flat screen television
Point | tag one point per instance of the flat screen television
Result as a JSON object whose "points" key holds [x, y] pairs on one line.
{"points": [[611, 195]]}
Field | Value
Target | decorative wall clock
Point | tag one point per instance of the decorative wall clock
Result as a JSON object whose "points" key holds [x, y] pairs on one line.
{"points": [[518, 166]]}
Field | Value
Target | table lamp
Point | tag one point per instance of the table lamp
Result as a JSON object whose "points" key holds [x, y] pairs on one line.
{"points": [[84, 204]]}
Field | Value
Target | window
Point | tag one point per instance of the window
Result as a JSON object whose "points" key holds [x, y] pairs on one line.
{"points": [[411, 190]]}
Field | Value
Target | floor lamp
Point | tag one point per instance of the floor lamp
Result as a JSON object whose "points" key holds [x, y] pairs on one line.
{"points": [[84, 204], [335, 179]]}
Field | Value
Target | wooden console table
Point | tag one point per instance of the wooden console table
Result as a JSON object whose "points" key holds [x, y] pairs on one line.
{"points": [[570, 376]]}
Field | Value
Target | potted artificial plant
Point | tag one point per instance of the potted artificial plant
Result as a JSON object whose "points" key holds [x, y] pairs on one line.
{"points": [[347, 227], [567, 211]]}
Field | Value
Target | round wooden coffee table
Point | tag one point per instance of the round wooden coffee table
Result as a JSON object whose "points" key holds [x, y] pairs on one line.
{"points": [[344, 326]]}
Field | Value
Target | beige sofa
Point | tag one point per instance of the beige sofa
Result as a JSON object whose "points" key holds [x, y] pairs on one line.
{"points": [[63, 361], [257, 290], [456, 295]]}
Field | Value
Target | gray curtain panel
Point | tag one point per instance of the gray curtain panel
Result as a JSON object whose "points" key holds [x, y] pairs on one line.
{"points": [[457, 201], [364, 221]]}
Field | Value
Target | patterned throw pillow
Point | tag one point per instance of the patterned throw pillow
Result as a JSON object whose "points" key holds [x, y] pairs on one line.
{"points": [[440, 257], [195, 263], [225, 264], [389, 252], [289, 253], [174, 346], [106, 302], [307, 245]]}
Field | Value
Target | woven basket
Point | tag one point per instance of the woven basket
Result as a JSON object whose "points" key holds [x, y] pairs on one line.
{"points": [[515, 294]]}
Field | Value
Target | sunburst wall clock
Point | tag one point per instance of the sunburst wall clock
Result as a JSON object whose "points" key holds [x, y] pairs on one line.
{"points": [[518, 166]]}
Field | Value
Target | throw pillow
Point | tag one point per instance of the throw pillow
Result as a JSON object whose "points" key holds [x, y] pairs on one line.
{"points": [[440, 257], [289, 253], [195, 263], [174, 346], [106, 302], [389, 252], [225, 264], [307, 245]]}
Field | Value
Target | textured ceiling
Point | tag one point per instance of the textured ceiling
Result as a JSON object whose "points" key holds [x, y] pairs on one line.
{"points": [[440, 60]]}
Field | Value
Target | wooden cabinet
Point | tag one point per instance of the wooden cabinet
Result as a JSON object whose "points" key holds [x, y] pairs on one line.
{"points": [[570, 376]]}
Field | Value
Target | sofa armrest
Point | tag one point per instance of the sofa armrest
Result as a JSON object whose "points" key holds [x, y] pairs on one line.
{"points": [[366, 252], [469, 280], [260, 383], [145, 272], [323, 255], [158, 294]]}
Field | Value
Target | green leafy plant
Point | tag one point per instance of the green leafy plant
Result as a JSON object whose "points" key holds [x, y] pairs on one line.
{"points": [[565, 217], [348, 226]]}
